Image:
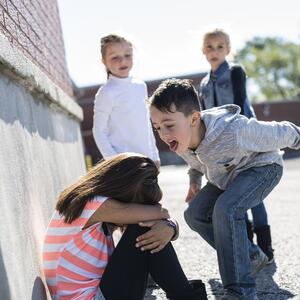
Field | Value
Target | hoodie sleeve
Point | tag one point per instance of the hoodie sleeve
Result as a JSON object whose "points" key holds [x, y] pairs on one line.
{"points": [[260, 136], [195, 176]]}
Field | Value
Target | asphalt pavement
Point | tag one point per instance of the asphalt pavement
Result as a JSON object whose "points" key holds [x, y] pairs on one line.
{"points": [[278, 281]]}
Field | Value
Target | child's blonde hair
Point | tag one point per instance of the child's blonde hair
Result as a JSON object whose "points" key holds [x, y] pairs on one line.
{"points": [[217, 33], [111, 38], [108, 39]]}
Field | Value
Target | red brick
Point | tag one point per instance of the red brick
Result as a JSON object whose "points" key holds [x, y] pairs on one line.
{"points": [[34, 27], [23, 40], [2, 19], [12, 12], [10, 25], [3, 4]]}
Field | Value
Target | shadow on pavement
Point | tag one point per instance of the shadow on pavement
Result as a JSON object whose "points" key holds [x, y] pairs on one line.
{"points": [[267, 288], [150, 289], [216, 287]]}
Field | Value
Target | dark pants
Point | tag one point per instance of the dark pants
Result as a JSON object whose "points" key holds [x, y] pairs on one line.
{"points": [[126, 274]]}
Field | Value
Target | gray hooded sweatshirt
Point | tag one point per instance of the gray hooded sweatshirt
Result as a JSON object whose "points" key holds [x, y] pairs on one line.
{"points": [[234, 143]]}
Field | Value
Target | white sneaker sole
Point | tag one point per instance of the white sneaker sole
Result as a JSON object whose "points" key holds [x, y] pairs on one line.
{"points": [[270, 261]]}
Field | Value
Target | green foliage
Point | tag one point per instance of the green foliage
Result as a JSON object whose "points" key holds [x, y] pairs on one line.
{"points": [[273, 65]]}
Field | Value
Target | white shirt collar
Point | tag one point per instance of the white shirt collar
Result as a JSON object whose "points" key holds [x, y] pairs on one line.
{"points": [[119, 79]]}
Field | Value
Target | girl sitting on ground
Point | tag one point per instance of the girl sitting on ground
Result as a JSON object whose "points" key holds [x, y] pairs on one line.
{"points": [[80, 260]]}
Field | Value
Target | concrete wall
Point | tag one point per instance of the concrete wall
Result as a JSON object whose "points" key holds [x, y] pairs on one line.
{"points": [[41, 149], [40, 153]]}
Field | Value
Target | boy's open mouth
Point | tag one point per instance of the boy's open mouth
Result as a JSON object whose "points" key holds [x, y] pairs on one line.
{"points": [[173, 146]]}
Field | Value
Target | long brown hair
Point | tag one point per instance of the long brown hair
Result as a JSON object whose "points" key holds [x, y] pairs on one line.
{"points": [[127, 177]]}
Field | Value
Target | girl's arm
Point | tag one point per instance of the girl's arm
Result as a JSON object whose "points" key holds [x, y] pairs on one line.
{"points": [[238, 78], [116, 212], [102, 110], [153, 151]]}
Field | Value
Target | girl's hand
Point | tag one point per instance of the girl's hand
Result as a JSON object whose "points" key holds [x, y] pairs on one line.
{"points": [[157, 237], [193, 190]]}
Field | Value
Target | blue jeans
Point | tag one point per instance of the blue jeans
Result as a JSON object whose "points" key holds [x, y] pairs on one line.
{"points": [[219, 217], [259, 216]]}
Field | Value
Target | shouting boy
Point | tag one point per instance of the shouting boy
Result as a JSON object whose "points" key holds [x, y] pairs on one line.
{"points": [[242, 162]]}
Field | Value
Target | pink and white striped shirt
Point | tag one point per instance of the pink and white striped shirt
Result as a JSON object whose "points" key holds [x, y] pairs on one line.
{"points": [[75, 258]]}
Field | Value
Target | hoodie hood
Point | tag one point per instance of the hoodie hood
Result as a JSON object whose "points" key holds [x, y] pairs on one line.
{"points": [[216, 119]]}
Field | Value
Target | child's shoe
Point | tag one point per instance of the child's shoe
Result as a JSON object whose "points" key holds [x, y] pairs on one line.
{"points": [[197, 293], [258, 261], [264, 241]]}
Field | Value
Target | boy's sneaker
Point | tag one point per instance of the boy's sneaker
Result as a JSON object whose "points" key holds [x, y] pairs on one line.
{"points": [[258, 261]]}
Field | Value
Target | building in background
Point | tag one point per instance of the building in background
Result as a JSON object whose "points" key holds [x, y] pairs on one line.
{"points": [[41, 148], [268, 111]]}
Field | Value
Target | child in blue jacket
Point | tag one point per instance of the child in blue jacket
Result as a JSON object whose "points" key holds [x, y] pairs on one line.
{"points": [[226, 84]]}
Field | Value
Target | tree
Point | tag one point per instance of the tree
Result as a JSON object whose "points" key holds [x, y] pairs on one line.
{"points": [[273, 65]]}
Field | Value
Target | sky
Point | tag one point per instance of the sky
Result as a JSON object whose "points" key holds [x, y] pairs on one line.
{"points": [[166, 33]]}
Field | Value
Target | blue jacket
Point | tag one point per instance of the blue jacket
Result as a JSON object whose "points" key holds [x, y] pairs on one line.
{"points": [[227, 85]]}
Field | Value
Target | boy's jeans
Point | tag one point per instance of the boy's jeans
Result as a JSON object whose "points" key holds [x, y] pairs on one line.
{"points": [[219, 217]]}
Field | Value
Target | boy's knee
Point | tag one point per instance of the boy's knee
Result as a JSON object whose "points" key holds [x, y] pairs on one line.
{"points": [[189, 216], [194, 221]]}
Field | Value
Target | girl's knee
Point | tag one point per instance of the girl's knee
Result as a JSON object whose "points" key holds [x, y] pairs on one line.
{"points": [[132, 231]]}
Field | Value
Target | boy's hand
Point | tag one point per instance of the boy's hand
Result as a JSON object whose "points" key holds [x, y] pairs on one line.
{"points": [[156, 238], [193, 190]]}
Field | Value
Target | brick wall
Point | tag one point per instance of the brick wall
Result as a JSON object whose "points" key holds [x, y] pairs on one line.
{"points": [[33, 26]]}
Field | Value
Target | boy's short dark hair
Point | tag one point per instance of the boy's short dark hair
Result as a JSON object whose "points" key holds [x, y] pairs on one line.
{"points": [[176, 92]]}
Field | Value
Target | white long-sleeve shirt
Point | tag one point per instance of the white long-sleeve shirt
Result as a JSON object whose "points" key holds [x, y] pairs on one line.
{"points": [[122, 120]]}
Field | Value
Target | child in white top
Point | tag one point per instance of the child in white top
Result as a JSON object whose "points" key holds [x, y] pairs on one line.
{"points": [[121, 117]]}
